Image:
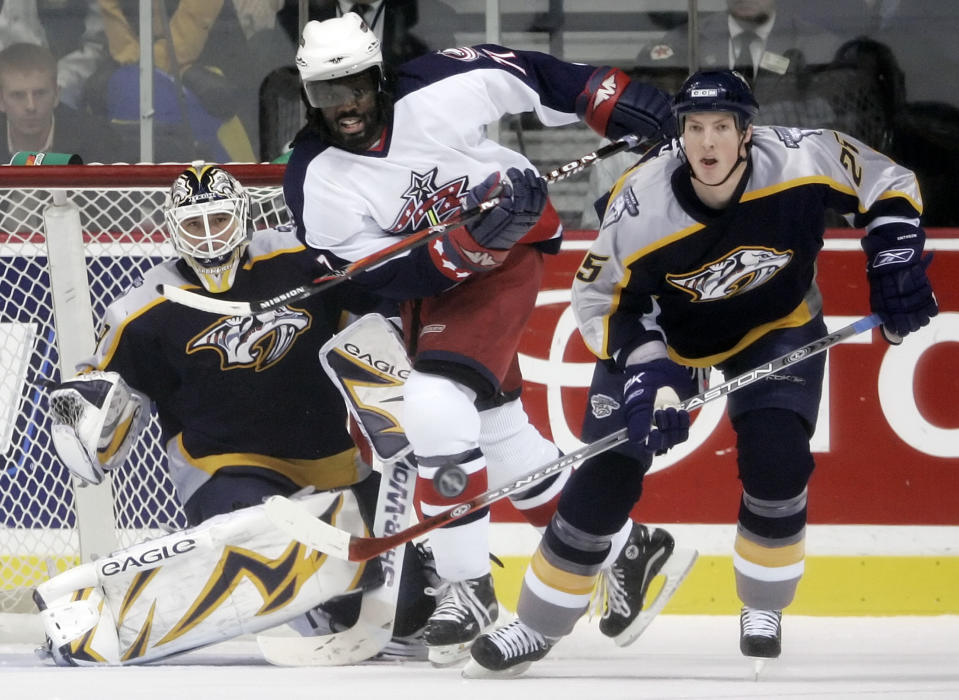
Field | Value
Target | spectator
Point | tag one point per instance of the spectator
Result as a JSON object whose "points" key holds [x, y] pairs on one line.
{"points": [[71, 29], [396, 23], [198, 82], [753, 36], [34, 118]]}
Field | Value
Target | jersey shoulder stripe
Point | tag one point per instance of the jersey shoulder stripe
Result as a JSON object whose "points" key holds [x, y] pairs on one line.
{"points": [[272, 242]]}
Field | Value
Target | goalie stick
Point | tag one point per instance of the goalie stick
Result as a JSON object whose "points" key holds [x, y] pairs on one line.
{"points": [[373, 628], [224, 307], [366, 361], [304, 527]]}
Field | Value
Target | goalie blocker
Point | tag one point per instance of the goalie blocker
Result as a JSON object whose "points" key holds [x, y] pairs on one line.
{"points": [[233, 574]]}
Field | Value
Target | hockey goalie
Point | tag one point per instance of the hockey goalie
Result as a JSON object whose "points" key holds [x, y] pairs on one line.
{"points": [[246, 412]]}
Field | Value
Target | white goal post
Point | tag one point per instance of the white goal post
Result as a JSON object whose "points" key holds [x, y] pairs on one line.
{"points": [[71, 239]]}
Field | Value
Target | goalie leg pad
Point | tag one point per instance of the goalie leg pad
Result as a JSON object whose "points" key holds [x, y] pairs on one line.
{"points": [[367, 362], [234, 574]]}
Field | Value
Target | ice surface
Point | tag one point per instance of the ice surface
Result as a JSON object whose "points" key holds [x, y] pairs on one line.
{"points": [[678, 657]]}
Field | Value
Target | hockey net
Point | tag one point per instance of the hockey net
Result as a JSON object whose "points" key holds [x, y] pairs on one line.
{"points": [[72, 238]]}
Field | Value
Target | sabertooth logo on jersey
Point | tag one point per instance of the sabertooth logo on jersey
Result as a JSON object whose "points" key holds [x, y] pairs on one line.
{"points": [[740, 271], [428, 204], [256, 342], [625, 203], [791, 136], [603, 406]]}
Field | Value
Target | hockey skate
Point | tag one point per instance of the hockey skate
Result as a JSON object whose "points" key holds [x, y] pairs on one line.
{"points": [[506, 652], [465, 609], [760, 633], [623, 585]]}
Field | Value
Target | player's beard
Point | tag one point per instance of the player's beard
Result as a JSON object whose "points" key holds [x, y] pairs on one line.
{"points": [[373, 122]]}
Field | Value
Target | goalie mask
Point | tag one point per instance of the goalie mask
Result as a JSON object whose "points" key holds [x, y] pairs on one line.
{"points": [[207, 215]]}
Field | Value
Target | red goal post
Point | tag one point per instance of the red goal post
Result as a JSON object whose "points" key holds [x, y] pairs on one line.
{"points": [[72, 238]]}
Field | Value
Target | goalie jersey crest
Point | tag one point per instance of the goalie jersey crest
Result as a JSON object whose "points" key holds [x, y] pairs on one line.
{"points": [[258, 341]]}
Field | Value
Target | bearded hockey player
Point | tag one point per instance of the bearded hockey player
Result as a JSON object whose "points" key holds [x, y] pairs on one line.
{"points": [[707, 258], [246, 412], [383, 158]]}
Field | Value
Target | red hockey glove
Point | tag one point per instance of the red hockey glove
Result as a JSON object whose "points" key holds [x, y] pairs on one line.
{"points": [[614, 106]]}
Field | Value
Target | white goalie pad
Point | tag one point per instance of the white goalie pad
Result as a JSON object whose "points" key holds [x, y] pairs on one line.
{"points": [[96, 419], [368, 364], [233, 574]]}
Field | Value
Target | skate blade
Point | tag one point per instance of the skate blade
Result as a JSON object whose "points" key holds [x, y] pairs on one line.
{"points": [[675, 571], [475, 670], [449, 655], [758, 666]]}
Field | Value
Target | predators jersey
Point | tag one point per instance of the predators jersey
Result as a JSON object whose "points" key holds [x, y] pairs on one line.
{"points": [[237, 391], [665, 267]]}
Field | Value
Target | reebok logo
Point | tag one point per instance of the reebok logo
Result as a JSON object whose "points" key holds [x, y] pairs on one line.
{"points": [[897, 256]]}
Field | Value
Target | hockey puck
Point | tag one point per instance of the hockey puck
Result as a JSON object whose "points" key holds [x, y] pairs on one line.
{"points": [[450, 480]]}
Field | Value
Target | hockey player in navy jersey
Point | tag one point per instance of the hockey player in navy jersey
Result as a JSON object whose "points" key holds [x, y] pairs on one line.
{"points": [[246, 412], [706, 258], [383, 158]]}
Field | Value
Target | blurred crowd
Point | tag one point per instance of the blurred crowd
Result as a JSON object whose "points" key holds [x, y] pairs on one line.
{"points": [[225, 88]]}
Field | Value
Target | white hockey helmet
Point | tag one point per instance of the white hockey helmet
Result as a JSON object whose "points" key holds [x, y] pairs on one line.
{"points": [[212, 245], [336, 48]]}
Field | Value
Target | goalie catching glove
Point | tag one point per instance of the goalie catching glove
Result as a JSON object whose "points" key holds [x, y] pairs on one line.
{"points": [[484, 244], [899, 290], [96, 419]]}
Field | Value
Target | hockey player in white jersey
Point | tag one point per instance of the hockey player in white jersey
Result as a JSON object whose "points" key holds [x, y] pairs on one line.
{"points": [[382, 158], [246, 412], [706, 258]]}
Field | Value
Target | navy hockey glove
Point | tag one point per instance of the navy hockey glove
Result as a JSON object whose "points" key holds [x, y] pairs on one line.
{"points": [[657, 429], [614, 106], [672, 428], [485, 243], [521, 204], [899, 289]]}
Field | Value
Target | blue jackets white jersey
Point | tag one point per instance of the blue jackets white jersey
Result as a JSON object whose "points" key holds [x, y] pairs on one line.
{"points": [[665, 267], [237, 391], [432, 152]]}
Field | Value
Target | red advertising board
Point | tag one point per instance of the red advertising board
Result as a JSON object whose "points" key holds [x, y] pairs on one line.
{"points": [[887, 445]]}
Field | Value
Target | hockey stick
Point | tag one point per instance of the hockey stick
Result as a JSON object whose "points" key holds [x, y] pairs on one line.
{"points": [[249, 308], [301, 525], [373, 629], [355, 359]]}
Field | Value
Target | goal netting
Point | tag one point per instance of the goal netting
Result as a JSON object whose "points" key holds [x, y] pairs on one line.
{"points": [[71, 239]]}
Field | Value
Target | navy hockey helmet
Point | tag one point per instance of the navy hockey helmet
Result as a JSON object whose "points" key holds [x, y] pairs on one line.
{"points": [[716, 91]]}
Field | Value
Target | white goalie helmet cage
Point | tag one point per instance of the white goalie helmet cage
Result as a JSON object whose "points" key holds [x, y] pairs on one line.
{"points": [[213, 250], [336, 48]]}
